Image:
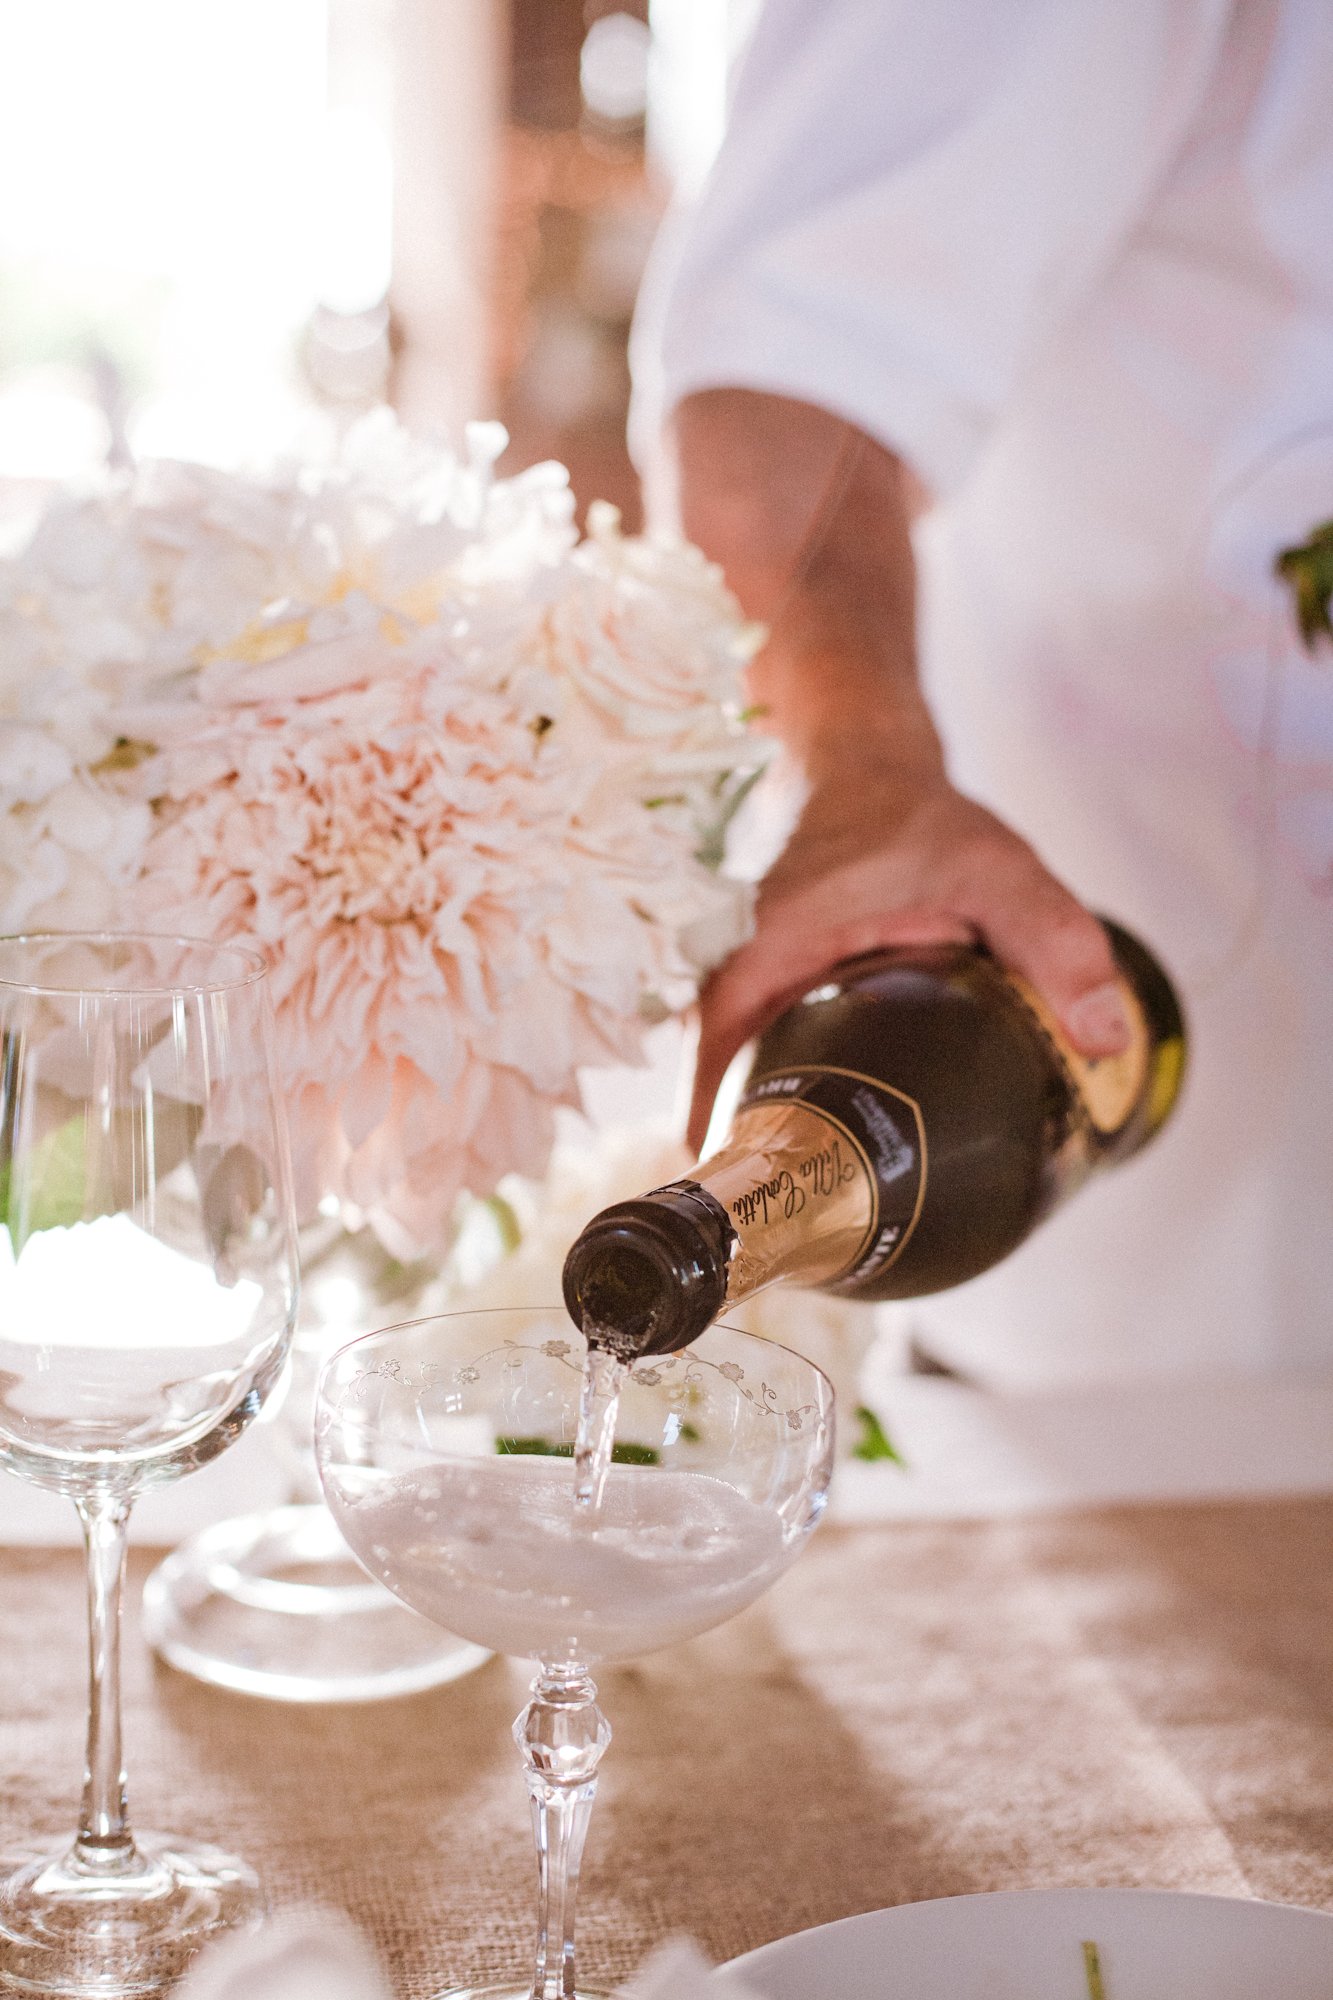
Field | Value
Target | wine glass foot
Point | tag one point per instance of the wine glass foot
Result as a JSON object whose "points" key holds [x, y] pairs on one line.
{"points": [[275, 1605], [76, 1932], [523, 1992]]}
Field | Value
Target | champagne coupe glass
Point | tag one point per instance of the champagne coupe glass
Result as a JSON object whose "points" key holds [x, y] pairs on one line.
{"points": [[148, 1281], [445, 1447]]}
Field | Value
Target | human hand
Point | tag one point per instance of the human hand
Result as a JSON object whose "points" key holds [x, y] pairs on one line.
{"points": [[811, 520], [886, 853]]}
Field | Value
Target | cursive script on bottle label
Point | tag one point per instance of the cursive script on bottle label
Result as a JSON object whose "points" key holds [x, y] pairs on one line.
{"points": [[817, 1177], [799, 1193], [870, 1129], [822, 1178]]}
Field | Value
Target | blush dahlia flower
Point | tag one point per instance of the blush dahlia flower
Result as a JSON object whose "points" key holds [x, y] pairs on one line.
{"points": [[460, 776]]}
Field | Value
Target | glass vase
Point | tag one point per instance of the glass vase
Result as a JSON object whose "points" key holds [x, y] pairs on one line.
{"points": [[273, 1603]]}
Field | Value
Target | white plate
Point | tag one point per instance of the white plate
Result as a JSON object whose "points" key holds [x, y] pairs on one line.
{"points": [[1027, 1945]]}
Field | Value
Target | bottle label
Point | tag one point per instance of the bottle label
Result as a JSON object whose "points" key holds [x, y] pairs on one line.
{"points": [[823, 1177]]}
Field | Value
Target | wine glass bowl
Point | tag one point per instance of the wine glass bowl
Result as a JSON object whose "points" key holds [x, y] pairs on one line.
{"points": [[147, 1293], [146, 1278], [445, 1446]]}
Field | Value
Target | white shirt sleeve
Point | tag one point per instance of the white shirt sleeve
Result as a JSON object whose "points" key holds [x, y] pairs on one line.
{"points": [[912, 199]]}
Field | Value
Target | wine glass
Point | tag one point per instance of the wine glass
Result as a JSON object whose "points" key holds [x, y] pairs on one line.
{"points": [[148, 1288], [445, 1447]]}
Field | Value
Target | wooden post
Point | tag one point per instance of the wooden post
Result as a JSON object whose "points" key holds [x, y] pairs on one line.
{"points": [[449, 71]]}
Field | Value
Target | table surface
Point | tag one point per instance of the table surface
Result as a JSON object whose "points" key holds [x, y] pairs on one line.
{"points": [[1139, 1696]]}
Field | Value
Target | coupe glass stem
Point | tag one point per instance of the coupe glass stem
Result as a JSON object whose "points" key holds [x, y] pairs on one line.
{"points": [[104, 1844], [562, 1734]]}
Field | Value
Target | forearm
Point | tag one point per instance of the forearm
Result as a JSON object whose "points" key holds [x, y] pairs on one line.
{"points": [[810, 520]]}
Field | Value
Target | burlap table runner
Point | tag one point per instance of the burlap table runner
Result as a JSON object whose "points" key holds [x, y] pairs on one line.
{"points": [[1143, 1696]]}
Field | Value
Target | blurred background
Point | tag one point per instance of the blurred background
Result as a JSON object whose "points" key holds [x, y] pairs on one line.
{"points": [[221, 220]]}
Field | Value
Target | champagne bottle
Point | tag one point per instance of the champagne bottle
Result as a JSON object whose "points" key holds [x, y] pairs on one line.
{"points": [[902, 1128]]}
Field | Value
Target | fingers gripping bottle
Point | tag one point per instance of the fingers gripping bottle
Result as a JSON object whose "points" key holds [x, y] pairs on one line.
{"points": [[902, 1128]]}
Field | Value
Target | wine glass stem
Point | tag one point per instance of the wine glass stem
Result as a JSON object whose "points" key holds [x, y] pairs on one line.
{"points": [[562, 1734], [104, 1843]]}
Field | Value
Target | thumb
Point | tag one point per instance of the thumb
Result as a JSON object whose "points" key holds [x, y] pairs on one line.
{"points": [[1065, 955]]}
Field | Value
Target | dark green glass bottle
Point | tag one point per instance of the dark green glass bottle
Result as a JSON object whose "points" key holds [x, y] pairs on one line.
{"points": [[902, 1128]]}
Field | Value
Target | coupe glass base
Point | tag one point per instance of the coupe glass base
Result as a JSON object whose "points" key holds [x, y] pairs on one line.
{"points": [[126, 1933], [275, 1605]]}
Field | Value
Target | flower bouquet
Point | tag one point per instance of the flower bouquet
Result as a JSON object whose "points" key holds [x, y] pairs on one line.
{"points": [[461, 775]]}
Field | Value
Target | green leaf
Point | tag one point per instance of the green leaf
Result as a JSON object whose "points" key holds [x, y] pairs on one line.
{"points": [[539, 1447], [711, 851], [52, 1187], [532, 1447], [1092, 1971], [507, 1225], [874, 1441], [635, 1454], [1307, 571]]}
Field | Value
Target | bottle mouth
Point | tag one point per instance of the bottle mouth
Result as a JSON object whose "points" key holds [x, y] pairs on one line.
{"points": [[645, 1277]]}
